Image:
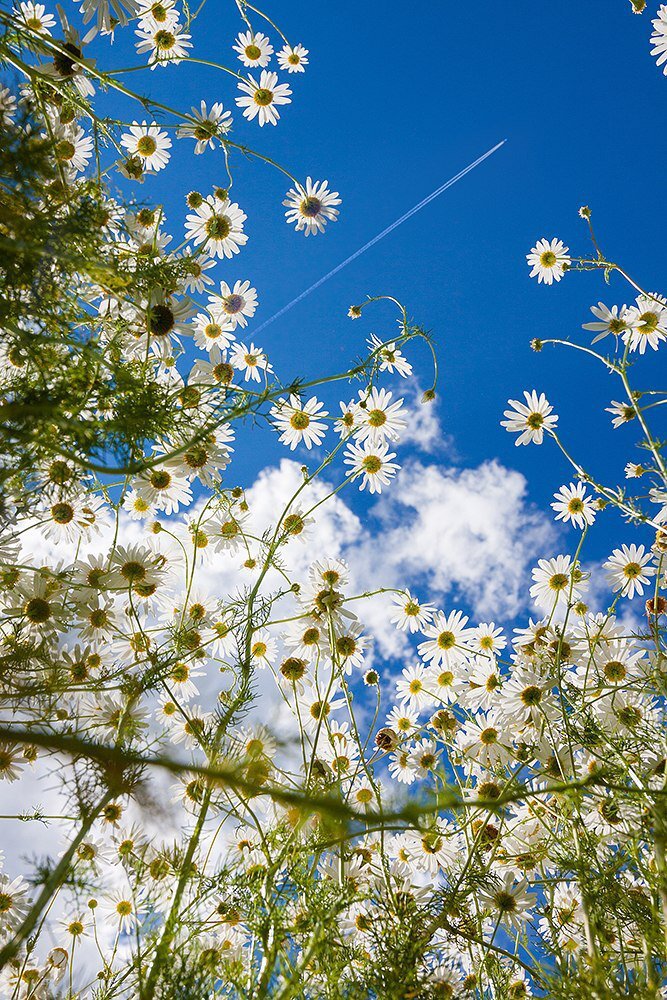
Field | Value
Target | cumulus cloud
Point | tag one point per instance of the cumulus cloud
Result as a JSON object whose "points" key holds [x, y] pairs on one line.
{"points": [[424, 430], [464, 534], [467, 537]]}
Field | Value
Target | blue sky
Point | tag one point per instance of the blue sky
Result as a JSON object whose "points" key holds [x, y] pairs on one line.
{"points": [[389, 108]]}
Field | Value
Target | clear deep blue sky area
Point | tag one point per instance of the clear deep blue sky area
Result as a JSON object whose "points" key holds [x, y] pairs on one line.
{"points": [[395, 100]]}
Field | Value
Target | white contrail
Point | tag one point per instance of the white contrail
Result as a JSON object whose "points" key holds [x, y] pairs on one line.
{"points": [[380, 236]]}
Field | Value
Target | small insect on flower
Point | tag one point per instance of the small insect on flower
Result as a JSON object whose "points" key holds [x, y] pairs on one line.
{"points": [[311, 206], [548, 260], [262, 98], [530, 419], [293, 59], [628, 570], [373, 462], [573, 505]]}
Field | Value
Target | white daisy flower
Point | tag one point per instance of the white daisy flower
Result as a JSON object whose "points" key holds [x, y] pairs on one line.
{"points": [[251, 361], [253, 49], [378, 418], [622, 413], [300, 423], [574, 505], [262, 99], [615, 321], [628, 570], [548, 260], [148, 143], [34, 16], [293, 59], [161, 487], [14, 902], [121, 910], [7, 106], [390, 357], [234, 305], [310, 207], [555, 580], [219, 226], [157, 13], [530, 419], [509, 902], [167, 45], [648, 323], [447, 639], [373, 463], [195, 267], [659, 38], [410, 615], [413, 687], [210, 334], [207, 126]]}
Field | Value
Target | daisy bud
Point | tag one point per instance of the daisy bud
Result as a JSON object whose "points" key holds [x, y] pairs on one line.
{"points": [[92, 904], [386, 739], [132, 168], [584, 212], [194, 199], [656, 606], [237, 492], [371, 678], [536, 344], [354, 312], [428, 396], [250, 563], [444, 721], [156, 527], [222, 194], [58, 958], [638, 6]]}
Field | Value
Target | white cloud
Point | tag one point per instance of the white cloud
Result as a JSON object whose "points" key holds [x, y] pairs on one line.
{"points": [[462, 536], [423, 429], [467, 535]]}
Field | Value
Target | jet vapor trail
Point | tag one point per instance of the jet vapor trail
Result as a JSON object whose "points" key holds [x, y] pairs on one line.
{"points": [[380, 236]]}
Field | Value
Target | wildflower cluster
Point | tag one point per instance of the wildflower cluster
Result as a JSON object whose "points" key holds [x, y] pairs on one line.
{"points": [[244, 798]]}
